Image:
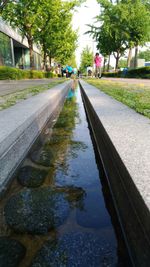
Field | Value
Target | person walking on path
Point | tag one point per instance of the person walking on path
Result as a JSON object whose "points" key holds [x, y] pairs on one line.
{"points": [[97, 61]]}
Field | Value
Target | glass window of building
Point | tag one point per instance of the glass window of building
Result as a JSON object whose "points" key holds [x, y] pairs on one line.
{"points": [[5, 50]]}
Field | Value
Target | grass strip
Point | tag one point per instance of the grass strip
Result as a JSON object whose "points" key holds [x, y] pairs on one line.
{"points": [[136, 96], [12, 99]]}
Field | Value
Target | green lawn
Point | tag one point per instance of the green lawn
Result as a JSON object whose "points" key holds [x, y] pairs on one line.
{"points": [[136, 96], [11, 99]]}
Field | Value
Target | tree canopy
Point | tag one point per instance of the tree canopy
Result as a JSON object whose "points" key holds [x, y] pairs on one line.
{"points": [[45, 22], [123, 24], [144, 55], [86, 59]]}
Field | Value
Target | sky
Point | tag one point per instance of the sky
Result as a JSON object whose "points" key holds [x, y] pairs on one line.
{"points": [[85, 15]]}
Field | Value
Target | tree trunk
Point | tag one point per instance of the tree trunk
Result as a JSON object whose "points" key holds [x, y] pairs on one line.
{"points": [[129, 57], [135, 57], [44, 58], [30, 42], [50, 60], [117, 61], [104, 66], [108, 63]]}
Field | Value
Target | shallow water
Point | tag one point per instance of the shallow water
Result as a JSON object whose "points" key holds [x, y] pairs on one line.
{"points": [[59, 207]]}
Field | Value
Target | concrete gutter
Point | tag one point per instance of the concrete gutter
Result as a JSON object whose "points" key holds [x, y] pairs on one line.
{"points": [[123, 141], [21, 124]]}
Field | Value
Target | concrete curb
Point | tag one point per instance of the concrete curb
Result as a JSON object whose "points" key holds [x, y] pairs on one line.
{"points": [[21, 124], [122, 138]]}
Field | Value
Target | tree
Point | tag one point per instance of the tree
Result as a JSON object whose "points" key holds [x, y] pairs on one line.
{"points": [[72, 61], [86, 59], [123, 24], [22, 14], [144, 55], [110, 35], [3, 3], [66, 46], [122, 63], [137, 24], [46, 22], [55, 32]]}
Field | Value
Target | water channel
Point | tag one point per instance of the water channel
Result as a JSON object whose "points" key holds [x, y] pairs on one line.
{"points": [[58, 211]]}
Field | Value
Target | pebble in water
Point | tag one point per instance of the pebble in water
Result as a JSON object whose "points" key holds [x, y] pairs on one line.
{"points": [[36, 211], [31, 177], [11, 252]]}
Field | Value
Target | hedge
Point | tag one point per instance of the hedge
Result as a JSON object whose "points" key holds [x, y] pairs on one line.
{"points": [[9, 73], [112, 74], [143, 73]]}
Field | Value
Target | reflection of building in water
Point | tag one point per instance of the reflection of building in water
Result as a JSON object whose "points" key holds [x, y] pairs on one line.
{"points": [[14, 50]]}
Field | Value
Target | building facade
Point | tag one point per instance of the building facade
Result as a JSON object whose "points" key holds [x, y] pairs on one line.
{"points": [[14, 50]]}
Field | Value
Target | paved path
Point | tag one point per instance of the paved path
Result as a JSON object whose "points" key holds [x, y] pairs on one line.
{"points": [[146, 82], [21, 124], [122, 137], [11, 86]]}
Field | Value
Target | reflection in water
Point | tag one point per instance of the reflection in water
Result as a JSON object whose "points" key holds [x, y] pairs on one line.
{"points": [[63, 221], [74, 249]]}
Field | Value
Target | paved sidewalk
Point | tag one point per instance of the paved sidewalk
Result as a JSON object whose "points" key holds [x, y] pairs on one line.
{"points": [[146, 82], [122, 138], [12, 86], [21, 124]]}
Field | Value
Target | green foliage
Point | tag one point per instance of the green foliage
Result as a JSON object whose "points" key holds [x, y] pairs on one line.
{"points": [[122, 63], [54, 30], [143, 73], [144, 55], [11, 73], [86, 59], [112, 74], [50, 74], [123, 24], [23, 14], [35, 74], [72, 61], [47, 23], [8, 73], [3, 3], [137, 21]]}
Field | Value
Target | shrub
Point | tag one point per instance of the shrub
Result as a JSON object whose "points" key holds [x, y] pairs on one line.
{"points": [[143, 72], [112, 74], [36, 74], [50, 74], [9, 73]]}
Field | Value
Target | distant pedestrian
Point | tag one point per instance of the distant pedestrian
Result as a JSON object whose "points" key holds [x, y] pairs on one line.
{"points": [[62, 72], [89, 70], [70, 70], [98, 62], [79, 73]]}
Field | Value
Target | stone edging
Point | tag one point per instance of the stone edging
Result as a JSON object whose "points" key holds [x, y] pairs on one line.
{"points": [[122, 138], [20, 126]]}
